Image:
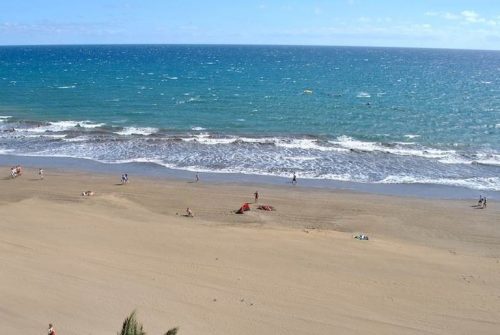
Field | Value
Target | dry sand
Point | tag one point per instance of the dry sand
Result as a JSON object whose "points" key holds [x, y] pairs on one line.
{"points": [[84, 263]]}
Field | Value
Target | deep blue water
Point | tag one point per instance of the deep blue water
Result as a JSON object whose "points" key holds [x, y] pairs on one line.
{"points": [[371, 115]]}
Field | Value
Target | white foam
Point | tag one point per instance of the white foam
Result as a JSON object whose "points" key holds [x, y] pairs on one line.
{"points": [[495, 162], [307, 144], [455, 160], [46, 136], [363, 95], [66, 87], [88, 124], [207, 139], [300, 158], [245, 171], [137, 131], [338, 177], [352, 144], [196, 98], [488, 158], [405, 143], [251, 171], [484, 158], [270, 140], [343, 144], [411, 136], [198, 128], [77, 139], [135, 160], [63, 126], [5, 151], [484, 183]]}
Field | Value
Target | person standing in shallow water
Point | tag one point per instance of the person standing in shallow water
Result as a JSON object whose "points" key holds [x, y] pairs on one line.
{"points": [[197, 178], [294, 179], [256, 195]]}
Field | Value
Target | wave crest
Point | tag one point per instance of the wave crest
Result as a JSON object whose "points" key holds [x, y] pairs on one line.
{"points": [[145, 131]]}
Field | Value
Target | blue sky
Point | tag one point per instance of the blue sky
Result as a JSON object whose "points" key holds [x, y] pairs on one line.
{"points": [[405, 23]]}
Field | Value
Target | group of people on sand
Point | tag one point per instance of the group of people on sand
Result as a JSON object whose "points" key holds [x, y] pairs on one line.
{"points": [[16, 171]]}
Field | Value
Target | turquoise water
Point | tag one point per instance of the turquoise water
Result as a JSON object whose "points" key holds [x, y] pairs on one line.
{"points": [[370, 115]]}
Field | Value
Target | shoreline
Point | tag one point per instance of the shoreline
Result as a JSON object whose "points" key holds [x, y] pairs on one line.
{"points": [[152, 170], [320, 206]]}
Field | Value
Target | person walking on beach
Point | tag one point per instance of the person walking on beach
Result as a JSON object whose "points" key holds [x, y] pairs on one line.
{"points": [[124, 178], [197, 178], [40, 173], [294, 179], [256, 194], [51, 330]]}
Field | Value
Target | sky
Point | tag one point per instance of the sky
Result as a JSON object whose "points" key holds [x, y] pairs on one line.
{"points": [[461, 24]]}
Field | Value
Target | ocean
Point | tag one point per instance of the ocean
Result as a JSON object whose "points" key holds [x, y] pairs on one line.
{"points": [[354, 114]]}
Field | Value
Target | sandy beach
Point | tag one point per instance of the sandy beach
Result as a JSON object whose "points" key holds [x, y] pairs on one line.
{"points": [[84, 263]]}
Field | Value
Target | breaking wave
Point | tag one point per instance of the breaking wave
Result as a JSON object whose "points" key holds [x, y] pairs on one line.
{"points": [[137, 131], [343, 158]]}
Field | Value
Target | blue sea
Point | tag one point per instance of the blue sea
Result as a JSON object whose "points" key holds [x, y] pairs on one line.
{"points": [[355, 114]]}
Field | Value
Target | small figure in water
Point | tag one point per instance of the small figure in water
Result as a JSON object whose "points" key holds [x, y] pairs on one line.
{"points": [[294, 179], [197, 178]]}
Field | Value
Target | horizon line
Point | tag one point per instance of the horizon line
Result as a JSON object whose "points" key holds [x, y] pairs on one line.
{"points": [[237, 44]]}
